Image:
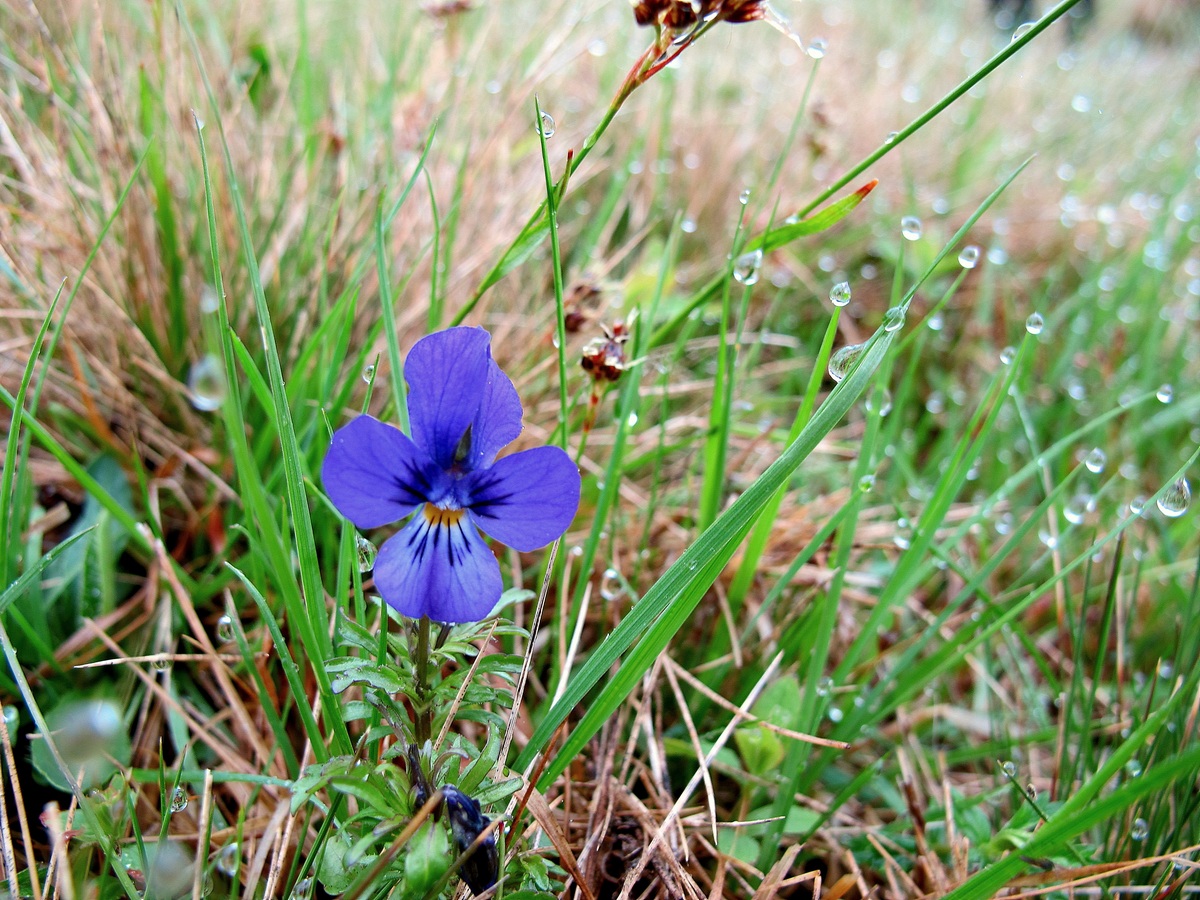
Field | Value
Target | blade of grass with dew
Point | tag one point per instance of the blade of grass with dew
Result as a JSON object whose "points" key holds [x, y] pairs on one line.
{"points": [[716, 442], [308, 618], [670, 602], [765, 525], [560, 321], [387, 305], [769, 240]]}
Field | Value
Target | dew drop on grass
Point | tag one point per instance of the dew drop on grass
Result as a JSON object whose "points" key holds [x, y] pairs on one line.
{"points": [[209, 301], [1166, 669], [610, 584], [179, 800], [225, 629], [968, 257], [824, 686], [839, 294], [206, 383], [910, 227], [893, 319], [366, 553], [1133, 768], [885, 402], [12, 718], [1174, 501], [1007, 355], [1010, 768], [747, 267], [843, 360], [835, 714], [227, 860], [1164, 393], [816, 49], [1077, 508], [547, 128], [368, 373], [935, 322], [161, 663], [1095, 461], [1139, 830], [1023, 29], [1034, 323], [866, 483], [1137, 505], [631, 420], [744, 196], [302, 890]]}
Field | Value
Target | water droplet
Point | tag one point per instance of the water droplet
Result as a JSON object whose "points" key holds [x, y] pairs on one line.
{"points": [[225, 632], [893, 319], [179, 800], [610, 585], [824, 686], [577, 551], [1007, 355], [746, 268], [843, 360], [1133, 768], [366, 553], [1174, 501], [885, 402], [1076, 509], [302, 890], [227, 860], [1010, 768], [910, 227], [816, 49], [161, 663], [744, 196], [1137, 505], [368, 373], [12, 719], [835, 714], [547, 129], [1023, 29], [1095, 461], [866, 483], [1140, 830], [935, 321], [209, 301], [839, 294], [1034, 323], [891, 137], [1164, 393], [1049, 541], [206, 383], [968, 258], [1166, 669], [631, 420]]}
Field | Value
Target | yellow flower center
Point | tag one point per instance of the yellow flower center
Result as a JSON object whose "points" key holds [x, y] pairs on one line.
{"points": [[437, 517]]}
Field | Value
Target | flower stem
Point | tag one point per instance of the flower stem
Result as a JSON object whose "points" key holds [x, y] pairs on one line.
{"points": [[638, 75], [423, 710]]}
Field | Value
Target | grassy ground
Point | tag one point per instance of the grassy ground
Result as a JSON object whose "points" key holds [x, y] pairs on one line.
{"points": [[968, 567]]}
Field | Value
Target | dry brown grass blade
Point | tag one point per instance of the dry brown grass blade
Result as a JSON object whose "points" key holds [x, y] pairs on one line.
{"points": [[544, 816], [744, 716], [694, 737], [1067, 879], [10, 766], [770, 884], [6, 841]]}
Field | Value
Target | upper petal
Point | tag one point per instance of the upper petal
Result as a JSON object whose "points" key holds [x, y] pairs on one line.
{"points": [[455, 385], [375, 475], [525, 500], [439, 566]]}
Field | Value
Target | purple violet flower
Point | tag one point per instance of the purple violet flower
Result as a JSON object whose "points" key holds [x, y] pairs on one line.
{"points": [[463, 410]]}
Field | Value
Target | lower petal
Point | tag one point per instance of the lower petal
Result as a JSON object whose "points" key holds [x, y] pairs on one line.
{"points": [[439, 566]]}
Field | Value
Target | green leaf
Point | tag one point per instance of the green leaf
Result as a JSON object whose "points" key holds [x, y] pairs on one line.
{"points": [[427, 859], [668, 605], [761, 749]]}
